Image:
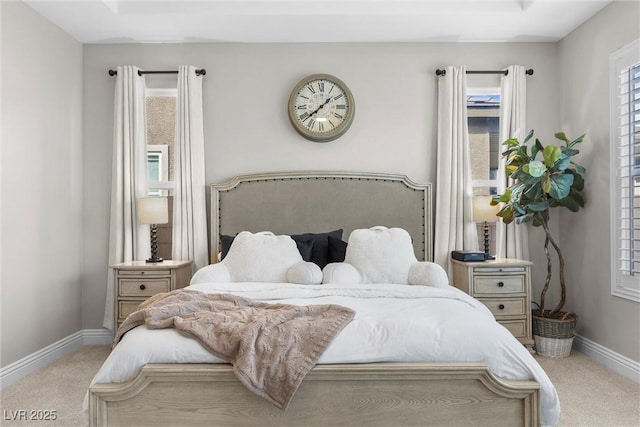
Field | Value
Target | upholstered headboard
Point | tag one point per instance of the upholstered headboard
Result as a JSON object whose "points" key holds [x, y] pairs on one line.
{"points": [[315, 202]]}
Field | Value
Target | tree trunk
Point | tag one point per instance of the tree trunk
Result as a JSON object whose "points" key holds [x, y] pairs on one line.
{"points": [[563, 294]]}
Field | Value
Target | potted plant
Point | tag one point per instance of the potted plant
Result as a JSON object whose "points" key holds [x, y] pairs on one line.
{"points": [[544, 177]]}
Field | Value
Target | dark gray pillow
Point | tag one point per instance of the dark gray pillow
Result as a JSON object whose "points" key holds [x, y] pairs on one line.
{"points": [[337, 249], [225, 244], [305, 247], [320, 251]]}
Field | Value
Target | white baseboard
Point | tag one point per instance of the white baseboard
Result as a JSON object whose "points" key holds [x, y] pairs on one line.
{"points": [[616, 362], [43, 357]]}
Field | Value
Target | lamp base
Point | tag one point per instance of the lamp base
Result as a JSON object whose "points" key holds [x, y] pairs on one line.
{"points": [[486, 242], [154, 245]]}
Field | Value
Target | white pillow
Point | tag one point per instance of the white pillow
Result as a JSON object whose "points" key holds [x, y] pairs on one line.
{"points": [[340, 272], [261, 257], [213, 273], [380, 254], [304, 273], [428, 274]]}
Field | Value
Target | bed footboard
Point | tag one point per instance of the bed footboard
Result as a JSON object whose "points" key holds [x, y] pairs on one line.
{"points": [[379, 394]]}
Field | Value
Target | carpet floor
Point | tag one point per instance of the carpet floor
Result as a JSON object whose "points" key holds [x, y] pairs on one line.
{"points": [[590, 394]]}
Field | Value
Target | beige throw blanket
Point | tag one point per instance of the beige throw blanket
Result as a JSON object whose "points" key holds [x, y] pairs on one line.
{"points": [[271, 346]]}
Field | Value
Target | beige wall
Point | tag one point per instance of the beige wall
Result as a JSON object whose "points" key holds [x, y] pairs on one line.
{"points": [[41, 183], [584, 72], [246, 125]]}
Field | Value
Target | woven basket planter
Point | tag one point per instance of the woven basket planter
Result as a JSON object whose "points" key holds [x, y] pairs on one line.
{"points": [[553, 335]]}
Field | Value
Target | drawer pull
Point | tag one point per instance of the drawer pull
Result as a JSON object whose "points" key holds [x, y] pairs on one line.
{"points": [[501, 306], [500, 284], [143, 287]]}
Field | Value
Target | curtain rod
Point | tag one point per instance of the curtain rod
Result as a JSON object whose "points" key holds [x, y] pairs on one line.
{"points": [[529, 72], [200, 72]]}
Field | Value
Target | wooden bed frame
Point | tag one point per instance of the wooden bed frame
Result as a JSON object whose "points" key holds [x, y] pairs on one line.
{"points": [[370, 394]]}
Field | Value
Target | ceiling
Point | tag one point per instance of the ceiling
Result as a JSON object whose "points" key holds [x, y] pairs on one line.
{"points": [[273, 21]]}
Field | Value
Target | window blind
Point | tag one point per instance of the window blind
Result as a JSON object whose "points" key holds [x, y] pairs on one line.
{"points": [[625, 131]]}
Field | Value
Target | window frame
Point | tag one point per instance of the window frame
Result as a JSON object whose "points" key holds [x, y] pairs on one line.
{"points": [[622, 285], [163, 183]]}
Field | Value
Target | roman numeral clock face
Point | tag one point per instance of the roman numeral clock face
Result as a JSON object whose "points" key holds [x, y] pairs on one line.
{"points": [[321, 108]]}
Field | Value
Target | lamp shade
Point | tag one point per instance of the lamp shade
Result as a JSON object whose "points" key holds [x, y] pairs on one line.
{"points": [[483, 211], [153, 210]]}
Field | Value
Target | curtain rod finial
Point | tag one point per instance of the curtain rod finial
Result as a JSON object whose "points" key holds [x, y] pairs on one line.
{"points": [[529, 72], [112, 73], [441, 72]]}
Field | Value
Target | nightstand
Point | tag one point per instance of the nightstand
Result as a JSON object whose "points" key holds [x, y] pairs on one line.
{"points": [[138, 280], [504, 286]]}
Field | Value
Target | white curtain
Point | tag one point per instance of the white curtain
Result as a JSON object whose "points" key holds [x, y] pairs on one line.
{"points": [[454, 226], [189, 206], [512, 240], [128, 240]]}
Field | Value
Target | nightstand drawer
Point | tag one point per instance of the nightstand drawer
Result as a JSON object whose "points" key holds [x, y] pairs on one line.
{"points": [[144, 273], [505, 306], [518, 328], [125, 308], [499, 285], [143, 287]]}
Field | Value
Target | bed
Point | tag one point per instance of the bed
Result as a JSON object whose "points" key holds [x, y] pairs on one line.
{"points": [[366, 376]]}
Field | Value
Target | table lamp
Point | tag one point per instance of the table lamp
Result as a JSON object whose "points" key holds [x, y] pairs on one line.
{"points": [[153, 211], [483, 211]]}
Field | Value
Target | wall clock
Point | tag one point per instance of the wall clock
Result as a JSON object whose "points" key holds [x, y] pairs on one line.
{"points": [[321, 107]]}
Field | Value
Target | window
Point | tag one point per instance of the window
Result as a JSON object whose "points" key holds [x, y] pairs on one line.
{"points": [[625, 171], [160, 121], [483, 117], [161, 116], [158, 169]]}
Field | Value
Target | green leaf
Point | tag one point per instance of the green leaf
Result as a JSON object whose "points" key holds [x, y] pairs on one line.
{"points": [[504, 198], [580, 169], [578, 140], [562, 137], [524, 218], [569, 151], [570, 203], [563, 163], [537, 147], [525, 178], [506, 213], [511, 142], [538, 206], [535, 168], [551, 154], [546, 183], [534, 192], [519, 210], [505, 153], [578, 181], [560, 185], [528, 137], [575, 195]]}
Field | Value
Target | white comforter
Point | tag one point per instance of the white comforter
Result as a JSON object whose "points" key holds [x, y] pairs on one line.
{"points": [[393, 323]]}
